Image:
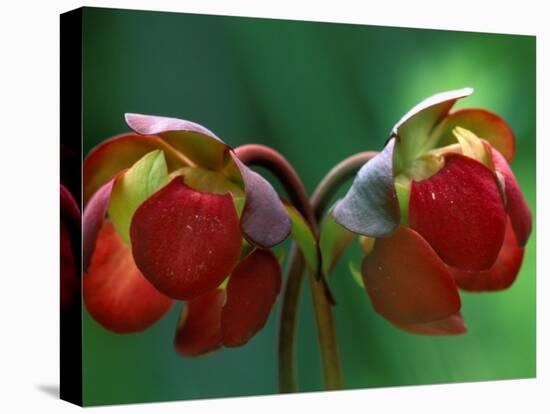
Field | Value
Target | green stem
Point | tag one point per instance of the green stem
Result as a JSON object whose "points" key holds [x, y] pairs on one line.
{"points": [[332, 371]]}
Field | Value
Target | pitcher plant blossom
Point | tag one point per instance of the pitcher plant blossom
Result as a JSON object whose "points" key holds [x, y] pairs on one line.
{"points": [[171, 213], [438, 209]]}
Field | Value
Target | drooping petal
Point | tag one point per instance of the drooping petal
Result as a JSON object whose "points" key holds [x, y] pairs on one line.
{"points": [[251, 293], [116, 294], [460, 212], [414, 128], [481, 122], [451, 325], [194, 141], [114, 155], [406, 280], [264, 220], [503, 272], [371, 207], [199, 327], [516, 206], [185, 241], [93, 216]]}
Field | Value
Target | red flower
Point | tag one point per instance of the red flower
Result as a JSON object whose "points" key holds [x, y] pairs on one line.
{"points": [[166, 212], [445, 210]]}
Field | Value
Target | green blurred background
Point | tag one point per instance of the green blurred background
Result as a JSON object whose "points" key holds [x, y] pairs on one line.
{"points": [[316, 92]]}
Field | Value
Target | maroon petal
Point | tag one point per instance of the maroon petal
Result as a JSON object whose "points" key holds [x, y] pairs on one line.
{"points": [[194, 141], [501, 275], [185, 241], [115, 292], [460, 212], [93, 216], [451, 325], [199, 327], [264, 220], [483, 124], [406, 280], [516, 206], [251, 293]]}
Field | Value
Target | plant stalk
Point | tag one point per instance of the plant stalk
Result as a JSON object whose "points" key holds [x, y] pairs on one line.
{"points": [[268, 158]]}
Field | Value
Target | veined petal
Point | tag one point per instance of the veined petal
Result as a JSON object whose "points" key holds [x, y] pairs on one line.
{"points": [[194, 141], [406, 280], [264, 220], [481, 122], [93, 216], [251, 292], [185, 241], [460, 212], [451, 325], [516, 206], [371, 207], [199, 327], [415, 127], [503, 272], [116, 154], [116, 294]]}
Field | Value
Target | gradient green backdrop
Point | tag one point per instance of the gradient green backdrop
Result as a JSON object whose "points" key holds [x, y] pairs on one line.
{"points": [[316, 92]]}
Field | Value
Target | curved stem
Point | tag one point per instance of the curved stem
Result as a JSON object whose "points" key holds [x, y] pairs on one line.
{"points": [[276, 163], [262, 156], [266, 157], [334, 179], [323, 194]]}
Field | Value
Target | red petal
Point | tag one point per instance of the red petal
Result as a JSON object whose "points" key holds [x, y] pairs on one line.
{"points": [[114, 155], [251, 293], [185, 241], [484, 124], [406, 280], [501, 275], [93, 216], [451, 325], [460, 212], [199, 328], [115, 292], [516, 206]]}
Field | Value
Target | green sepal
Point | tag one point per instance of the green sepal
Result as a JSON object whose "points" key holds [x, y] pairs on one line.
{"points": [[356, 274], [302, 234], [333, 241], [133, 187]]}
